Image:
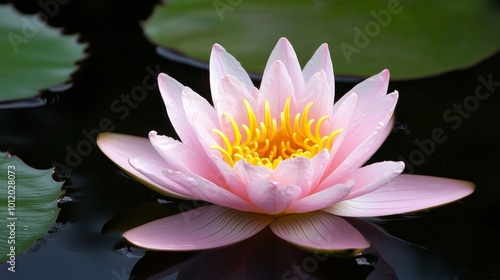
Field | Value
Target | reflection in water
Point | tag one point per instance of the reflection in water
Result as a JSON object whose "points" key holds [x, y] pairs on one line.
{"points": [[24, 103], [50, 96]]}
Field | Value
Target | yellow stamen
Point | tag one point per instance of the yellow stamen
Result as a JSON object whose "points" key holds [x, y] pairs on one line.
{"points": [[271, 141]]}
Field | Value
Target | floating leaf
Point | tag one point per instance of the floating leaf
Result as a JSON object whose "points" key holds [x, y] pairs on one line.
{"points": [[33, 55], [411, 38], [28, 205]]}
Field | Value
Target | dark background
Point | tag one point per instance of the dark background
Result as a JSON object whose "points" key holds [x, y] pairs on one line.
{"points": [[461, 238]]}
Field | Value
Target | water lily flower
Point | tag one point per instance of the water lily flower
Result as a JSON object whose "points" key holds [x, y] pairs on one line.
{"points": [[283, 156]]}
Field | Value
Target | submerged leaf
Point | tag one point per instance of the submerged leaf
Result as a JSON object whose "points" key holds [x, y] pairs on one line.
{"points": [[28, 205]]}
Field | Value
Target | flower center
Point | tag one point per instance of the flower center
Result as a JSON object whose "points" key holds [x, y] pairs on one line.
{"points": [[271, 141]]}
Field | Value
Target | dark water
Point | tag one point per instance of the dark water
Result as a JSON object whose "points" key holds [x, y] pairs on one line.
{"points": [[114, 89]]}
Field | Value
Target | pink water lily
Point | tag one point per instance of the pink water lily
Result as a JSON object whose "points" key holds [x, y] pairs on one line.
{"points": [[283, 156]]}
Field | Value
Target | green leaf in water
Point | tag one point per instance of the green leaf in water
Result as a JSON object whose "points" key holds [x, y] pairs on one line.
{"points": [[28, 205], [411, 38], [33, 56]]}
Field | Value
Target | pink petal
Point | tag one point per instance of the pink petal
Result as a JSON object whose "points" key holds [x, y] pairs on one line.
{"points": [[340, 118], [362, 124], [373, 112], [249, 172], [362, 127], [320, 163], [301, 171], [317, 90], [343, 111], [405, 193], [182, 158], [295, 171], [318, 230], [230, 101], [370, 89], [276, 87], [321, 199], [383, 135], [359, 155], [223, 64], [233, 180], [268, 194], [153, 170], [202, 118], [270, 197], [341, 166], [120, 148], [371, 177], [171, 92], [205, 190], [321, 61], [201, 228], [352, 162], [283, 51]]}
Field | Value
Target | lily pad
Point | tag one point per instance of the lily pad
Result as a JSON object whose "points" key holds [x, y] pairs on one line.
{"points": [[412, 38], [33, 55], [28, 205]]}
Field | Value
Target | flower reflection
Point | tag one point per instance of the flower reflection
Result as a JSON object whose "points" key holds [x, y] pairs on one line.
{"points": [[283, 156]]}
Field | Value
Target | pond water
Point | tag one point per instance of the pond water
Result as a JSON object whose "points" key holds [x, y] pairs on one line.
{"points": [[456, 241]]}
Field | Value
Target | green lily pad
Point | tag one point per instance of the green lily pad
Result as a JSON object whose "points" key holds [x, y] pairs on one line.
{"points": [[33, 56], [28, 205], [411, 38]]}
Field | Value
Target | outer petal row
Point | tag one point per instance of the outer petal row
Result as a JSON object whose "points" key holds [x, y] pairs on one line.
{"points": [[121, 148], [215, 226], [405, 193], [317, 230], [201, 228]]}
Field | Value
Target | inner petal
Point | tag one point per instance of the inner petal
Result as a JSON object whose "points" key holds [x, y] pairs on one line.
{"points": [[272, 140]]}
